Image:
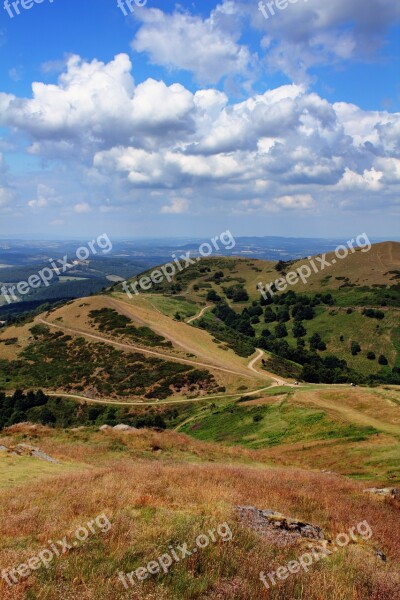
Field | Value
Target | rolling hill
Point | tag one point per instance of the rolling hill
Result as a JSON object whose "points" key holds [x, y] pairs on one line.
{"points": [[216, 414]]}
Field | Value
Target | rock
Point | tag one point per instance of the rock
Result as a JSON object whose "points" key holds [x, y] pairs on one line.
{"points": [[3, 448], [26, 450], [123, 427], [105, 427], [384, 492], [277, 527], [381, 555]]}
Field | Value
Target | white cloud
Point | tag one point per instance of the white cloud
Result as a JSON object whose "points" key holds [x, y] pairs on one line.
{"points": [[176, 207], [368, 180], [310, 33], [82, 208], [300, 201], [285, 148], [45, 196], [208, 48]]}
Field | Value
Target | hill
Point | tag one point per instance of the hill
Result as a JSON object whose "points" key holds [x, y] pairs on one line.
{"points": [[203, 383], [349, 310]]}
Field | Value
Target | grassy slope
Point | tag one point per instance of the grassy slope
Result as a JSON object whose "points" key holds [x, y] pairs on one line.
{"points": [[362, 272], [356, 432], [161, 489]]}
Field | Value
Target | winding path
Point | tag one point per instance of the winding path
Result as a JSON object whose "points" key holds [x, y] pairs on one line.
{"points": [[201, 313], [277, 381]]}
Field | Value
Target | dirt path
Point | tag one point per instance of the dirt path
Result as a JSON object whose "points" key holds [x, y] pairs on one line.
{"points": [[201, 313], [351, 415], [159, 402], [272, 376], [139, 348]]}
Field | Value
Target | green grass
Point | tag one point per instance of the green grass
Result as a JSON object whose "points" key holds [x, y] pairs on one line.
{"points": [[381, 337], [396, 344], [265, 425], [171, 305], [17, 470]]}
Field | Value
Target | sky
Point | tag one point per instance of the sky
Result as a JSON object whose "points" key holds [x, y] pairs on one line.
{"points": [[191, 118]]}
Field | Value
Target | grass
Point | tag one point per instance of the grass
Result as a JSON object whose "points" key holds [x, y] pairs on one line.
{"points": [[18, 470], [264, 425], [162, 490], [169, 306]]}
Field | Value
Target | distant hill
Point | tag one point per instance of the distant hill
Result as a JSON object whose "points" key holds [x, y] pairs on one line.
{"points": [[368, 340]]}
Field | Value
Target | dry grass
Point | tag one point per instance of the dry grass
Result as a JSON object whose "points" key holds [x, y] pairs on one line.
{"points": [[161, 488]]}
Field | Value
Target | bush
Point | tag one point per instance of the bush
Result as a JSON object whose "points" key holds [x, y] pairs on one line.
{"points": [[213, 296], [316, 342], [371, 356], [281, 331], [382, 360]]}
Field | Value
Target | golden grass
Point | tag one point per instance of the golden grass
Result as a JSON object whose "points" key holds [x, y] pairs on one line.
{"points": [[155, 495]]}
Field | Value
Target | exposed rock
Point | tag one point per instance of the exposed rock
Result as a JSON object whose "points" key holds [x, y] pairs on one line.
{"points": [[278, 528], [26, 450], [3, 448], [122, 427], [105, 427], [381, 555], [384, 492]]}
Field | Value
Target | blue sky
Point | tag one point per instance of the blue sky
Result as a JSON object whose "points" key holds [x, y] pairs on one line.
{"points": [[191, 118]]}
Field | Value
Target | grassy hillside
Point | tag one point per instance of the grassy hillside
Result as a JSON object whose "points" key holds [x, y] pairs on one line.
{"points": [[195, 360], [355, 311], [160, 490]]}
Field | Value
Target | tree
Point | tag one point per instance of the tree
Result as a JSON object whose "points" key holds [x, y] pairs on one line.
{"points": [[300, 312], [280, 266], [382, 360], [281, 331], [316, 342], [371, 356], [283, 315], [213, 296], [269, 315], [299, 330]]}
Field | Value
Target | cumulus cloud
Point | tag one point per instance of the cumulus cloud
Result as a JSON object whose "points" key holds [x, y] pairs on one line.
{"points": [[209, 48], [286, 148], [305, 34], [45, 196], [96, 105], [296, 35]]}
